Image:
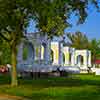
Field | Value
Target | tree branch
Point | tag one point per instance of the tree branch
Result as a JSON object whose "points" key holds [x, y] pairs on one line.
{"points": [[4, 37]]}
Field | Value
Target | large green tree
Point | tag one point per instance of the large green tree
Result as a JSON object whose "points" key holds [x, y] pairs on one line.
{"points": [[50, 16], [12, 23]]}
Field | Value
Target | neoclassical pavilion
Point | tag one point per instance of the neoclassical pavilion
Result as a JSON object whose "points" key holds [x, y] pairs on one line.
{"points": [[43, 51]]}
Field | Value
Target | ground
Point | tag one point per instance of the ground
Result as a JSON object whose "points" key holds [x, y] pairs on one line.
{"points": [[75, 87], [10, 97]]}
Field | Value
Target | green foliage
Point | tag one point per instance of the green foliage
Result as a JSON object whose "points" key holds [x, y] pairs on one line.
{"points": [[15, 16], [78, 40], [95, 48], [25, 53], [5, 52], [51, 16], [55, 27], [81, 41]]}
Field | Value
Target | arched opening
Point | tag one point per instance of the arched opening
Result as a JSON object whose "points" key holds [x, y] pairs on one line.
{"points": [[25, 52], [51, 56], [80, 60], [43, 49], [28, 51], [63, 58], [70, 57], [43, 53]]}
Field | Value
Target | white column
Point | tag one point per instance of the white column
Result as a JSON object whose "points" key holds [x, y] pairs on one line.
{"points": [[20, 53], [89, 58], [79, 61], [36, 51], [55, 49], [60, 53], [73, 57], [48, 51], [39, 54], [42, 52]]}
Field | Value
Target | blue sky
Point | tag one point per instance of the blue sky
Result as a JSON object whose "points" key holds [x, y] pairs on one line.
{"points": [[91, 26]]}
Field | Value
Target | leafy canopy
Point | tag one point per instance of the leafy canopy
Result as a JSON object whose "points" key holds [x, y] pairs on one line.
{"points": [[50, 15], [81, 41]]}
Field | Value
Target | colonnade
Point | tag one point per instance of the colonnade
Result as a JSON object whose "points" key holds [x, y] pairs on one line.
{"points": [[62, 55]]}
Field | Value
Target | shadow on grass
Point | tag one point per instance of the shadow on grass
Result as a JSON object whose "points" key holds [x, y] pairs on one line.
{"points": [[78, 87], [4, 78], [72, 81], [62, 81]]}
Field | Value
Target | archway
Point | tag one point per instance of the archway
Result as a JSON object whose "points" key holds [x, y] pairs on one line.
{"points": [[63, 58], [51, 56], [43, 51], [70, 58], [80, 60], [28, 52]]}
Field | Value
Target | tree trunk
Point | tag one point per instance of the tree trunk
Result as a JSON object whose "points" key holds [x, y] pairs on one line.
{"points": [[13, 70]]}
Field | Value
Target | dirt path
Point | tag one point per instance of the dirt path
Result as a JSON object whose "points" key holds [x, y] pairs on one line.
{"points": [[8, 97]]}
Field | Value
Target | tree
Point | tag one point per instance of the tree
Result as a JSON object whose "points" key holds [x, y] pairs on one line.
{"points": [[95, 49], [78, 40], [12, 16], [50, 15], [81, 41]]}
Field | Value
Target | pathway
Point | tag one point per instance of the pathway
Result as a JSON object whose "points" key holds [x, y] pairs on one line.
{"points": [[8, 97]]}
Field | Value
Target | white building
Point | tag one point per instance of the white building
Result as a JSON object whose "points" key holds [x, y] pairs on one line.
{"points": [[44, 52]]}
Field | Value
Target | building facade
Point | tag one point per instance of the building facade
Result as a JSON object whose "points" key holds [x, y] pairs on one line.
{"points": [[43, 51]]}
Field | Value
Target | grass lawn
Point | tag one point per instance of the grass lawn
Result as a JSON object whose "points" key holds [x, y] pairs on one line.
{"points": [[77, 87]]}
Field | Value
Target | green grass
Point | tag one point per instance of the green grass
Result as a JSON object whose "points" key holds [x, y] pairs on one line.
{"points": [[76, 87]]}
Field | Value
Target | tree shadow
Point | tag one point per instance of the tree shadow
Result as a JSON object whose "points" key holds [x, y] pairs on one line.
{"points": [[52, 81], [59, 82], [5, 78]]}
